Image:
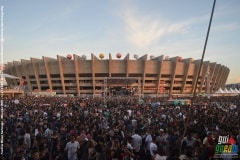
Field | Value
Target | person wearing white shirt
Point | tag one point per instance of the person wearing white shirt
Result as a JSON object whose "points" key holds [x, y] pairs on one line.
{"points": [[148, 141], [72, 148], [48, 132], [136, 143], [27, 138], [153, 147], [157, 156]]}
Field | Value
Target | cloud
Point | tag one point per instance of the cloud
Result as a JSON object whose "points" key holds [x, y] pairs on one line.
{"points": [[226, 27], [55, 40], [143, 30]]}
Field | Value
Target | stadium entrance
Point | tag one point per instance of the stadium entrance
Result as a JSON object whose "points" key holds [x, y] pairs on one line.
{"points": [[119, 90], [120, 86]]}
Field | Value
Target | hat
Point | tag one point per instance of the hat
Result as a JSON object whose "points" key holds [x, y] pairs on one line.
{"points": [[161, 130]]}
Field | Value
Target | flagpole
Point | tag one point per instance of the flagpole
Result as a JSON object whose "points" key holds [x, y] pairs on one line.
{"points": [[204, 49]]}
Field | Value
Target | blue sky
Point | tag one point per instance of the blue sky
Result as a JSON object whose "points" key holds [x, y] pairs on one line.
{"points": [[156, 27]]}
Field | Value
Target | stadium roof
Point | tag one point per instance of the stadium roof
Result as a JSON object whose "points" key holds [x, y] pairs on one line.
{"points": [[4, 75]]}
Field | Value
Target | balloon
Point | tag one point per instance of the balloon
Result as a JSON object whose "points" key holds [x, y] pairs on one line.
{"points": [[119, 55], [101, 55], [167, 58], [151, 57], [84, 56], [135, 56], [179, 59], [69, 56]]}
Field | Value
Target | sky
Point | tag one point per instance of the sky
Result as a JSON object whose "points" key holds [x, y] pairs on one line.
{"points": [[171, 28]]}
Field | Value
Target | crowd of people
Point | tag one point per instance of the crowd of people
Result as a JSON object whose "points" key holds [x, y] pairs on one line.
{"points": [[116, 128]]}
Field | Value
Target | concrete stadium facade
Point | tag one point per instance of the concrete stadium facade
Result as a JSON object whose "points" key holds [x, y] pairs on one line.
{"points": [[141, 76]]}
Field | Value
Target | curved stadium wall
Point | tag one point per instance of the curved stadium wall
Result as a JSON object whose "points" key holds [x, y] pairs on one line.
{"points": [[143, 75]]}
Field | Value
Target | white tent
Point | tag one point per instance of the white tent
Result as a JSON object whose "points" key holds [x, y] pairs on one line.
{"points": [[226, 90], [236, 90], [4, 76], [219, 91], [231, 90], [4, 83]]}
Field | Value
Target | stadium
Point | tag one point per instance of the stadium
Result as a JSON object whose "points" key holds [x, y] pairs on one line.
{"points": [[146, 75]]}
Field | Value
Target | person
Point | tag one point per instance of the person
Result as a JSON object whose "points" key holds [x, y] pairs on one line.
{"points": [[47, 134], [157, 156], [208, 150], [153, 147], [54, 145], [91, 151], [35, 155], [128, 149], [83, 155], [148, 141], [171, 128], [173, 143], [190, 140], [136, 144], [209, 135], [161, 140], [72, 148], [188, 144], [99, 148], [115, 149]]}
